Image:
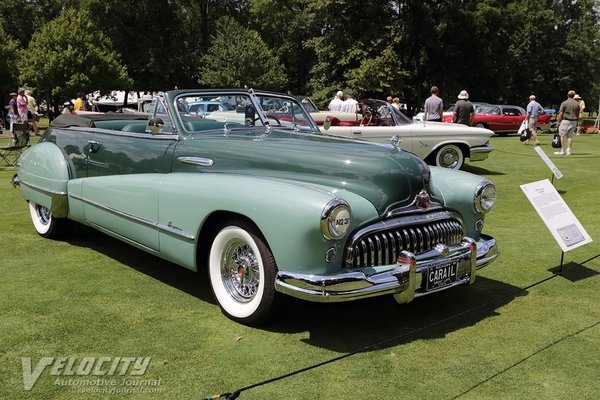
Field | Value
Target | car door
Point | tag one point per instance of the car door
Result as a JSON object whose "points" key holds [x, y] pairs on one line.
{"points": [[511, 119], [123, 178]]}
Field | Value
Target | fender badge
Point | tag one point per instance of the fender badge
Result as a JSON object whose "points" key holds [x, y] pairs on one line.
{"points": [[422, 200]]}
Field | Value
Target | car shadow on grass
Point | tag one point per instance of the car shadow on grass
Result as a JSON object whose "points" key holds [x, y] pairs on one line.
{"points": [[341, 327], [167, 272], [480, 171], [347, 327]]}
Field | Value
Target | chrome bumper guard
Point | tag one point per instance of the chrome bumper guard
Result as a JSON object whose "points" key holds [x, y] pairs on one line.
{"points": [[405, 279], [480, 153]]}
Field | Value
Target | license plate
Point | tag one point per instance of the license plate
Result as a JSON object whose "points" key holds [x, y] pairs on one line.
{"points": [[441, 276]]}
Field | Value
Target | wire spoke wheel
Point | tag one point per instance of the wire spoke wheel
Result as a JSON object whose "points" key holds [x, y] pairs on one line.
{"points": [[242, 273]]}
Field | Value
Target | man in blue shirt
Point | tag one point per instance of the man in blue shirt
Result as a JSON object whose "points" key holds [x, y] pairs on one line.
{"points": [[534, 110]]}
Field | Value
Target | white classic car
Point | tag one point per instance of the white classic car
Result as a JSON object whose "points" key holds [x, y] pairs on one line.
{"points": [[438, 143]]}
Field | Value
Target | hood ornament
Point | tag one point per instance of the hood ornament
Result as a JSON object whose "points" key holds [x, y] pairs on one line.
{"points": [[422, 200], [395, 140]]}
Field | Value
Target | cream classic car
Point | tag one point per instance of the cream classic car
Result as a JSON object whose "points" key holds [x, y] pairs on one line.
{"points": [[438, 143]]}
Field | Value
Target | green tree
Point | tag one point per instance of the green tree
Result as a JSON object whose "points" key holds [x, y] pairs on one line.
{"points": [[238, 56], [22, 18], [61, 65], [286, 26], [9, 73]]}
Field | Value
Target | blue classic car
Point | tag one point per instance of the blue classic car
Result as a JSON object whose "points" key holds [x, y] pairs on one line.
{"points": [[256, 197]]}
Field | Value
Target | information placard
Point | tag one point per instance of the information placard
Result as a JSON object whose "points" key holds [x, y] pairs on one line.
{"points": [[548, 162], [556, 214]]}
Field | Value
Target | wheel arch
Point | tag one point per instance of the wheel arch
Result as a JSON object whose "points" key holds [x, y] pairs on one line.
{"points": [[209, 229]]}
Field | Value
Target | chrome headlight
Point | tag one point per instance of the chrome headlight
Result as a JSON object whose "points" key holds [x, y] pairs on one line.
{"points": [[485, 196], [336, 219]]}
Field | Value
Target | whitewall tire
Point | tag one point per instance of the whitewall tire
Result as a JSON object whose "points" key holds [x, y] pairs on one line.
{"points": [[46, 224], [242, 273], [449, 156]]}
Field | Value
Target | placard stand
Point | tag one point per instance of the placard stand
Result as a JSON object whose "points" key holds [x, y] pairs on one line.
{"points": [[562, 257], [557, 216]]}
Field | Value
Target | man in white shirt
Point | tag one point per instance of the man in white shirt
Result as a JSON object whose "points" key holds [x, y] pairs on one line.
{"points": [[337, 102], [350, 104]]}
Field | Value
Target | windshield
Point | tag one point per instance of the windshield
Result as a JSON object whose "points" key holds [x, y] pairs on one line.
{"points": [[491, 110], [308, 104], [380, 113], [208, 111]]}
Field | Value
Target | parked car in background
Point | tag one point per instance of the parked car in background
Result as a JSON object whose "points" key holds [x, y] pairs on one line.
{"points": [[261, 202], [503, 119], [438, 143], [320, 116]]}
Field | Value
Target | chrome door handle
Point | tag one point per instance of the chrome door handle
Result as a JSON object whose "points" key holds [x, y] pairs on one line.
{"points": [[94, 146]]}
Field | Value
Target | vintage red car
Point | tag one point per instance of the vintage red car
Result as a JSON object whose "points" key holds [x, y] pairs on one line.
{"points": [[503, 119]]}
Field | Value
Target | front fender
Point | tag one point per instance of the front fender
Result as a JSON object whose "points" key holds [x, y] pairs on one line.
{"points": [[43, 174], [286, 212], [456, 190]]}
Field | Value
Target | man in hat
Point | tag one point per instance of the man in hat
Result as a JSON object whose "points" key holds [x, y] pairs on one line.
{"points": [[350, 104], [534, 110], [579, 100], [464, 112], [568, 113], [337, 102]]}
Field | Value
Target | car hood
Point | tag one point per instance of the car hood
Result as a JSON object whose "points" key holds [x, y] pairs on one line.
{"points": [[388, 178]]}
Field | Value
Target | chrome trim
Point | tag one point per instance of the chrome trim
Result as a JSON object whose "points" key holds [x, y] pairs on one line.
{"points": [[396, 141], [327, 210], [204, 162], [59, 205], [405, 280], [477, 196], [41, 189], [480, 153], [15, 181], [417, 233], [487, 251], [252, 95], [164, 228], [173, 136], [413, 209]]}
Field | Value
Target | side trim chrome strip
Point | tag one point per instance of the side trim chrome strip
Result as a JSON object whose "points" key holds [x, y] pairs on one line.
{"points": [[164, 228], [204, 162], [41, 189], [126, 134]]}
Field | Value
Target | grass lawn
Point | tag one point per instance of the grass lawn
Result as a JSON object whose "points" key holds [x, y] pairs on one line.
{"points": [[93, 296]]}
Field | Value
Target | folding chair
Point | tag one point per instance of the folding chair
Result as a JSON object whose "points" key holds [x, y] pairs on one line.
{"points": [[20, 140]]}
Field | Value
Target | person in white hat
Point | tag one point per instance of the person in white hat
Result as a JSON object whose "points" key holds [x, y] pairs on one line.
{"points": [[337, 103], [534, 110], [464, 112], [581, 108]]}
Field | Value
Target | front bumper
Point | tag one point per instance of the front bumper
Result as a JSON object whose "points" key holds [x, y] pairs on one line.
{"points": [[480, 153], [405, 279]]}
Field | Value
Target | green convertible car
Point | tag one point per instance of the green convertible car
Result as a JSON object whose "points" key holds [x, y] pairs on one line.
{"points": [[255, 196]]}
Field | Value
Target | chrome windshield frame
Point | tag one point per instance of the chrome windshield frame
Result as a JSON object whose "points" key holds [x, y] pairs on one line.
{"points": [[254, 99]]}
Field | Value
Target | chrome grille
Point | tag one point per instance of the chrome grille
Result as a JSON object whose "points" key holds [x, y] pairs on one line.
{"points": [[381, 245]]}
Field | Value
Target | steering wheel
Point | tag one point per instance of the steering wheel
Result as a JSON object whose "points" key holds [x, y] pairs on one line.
{"points": [[269, 116]]}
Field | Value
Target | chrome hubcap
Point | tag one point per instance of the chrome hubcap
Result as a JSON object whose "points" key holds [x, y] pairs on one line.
{"points": [[240, 271], [449, 158], [43, 214]]}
